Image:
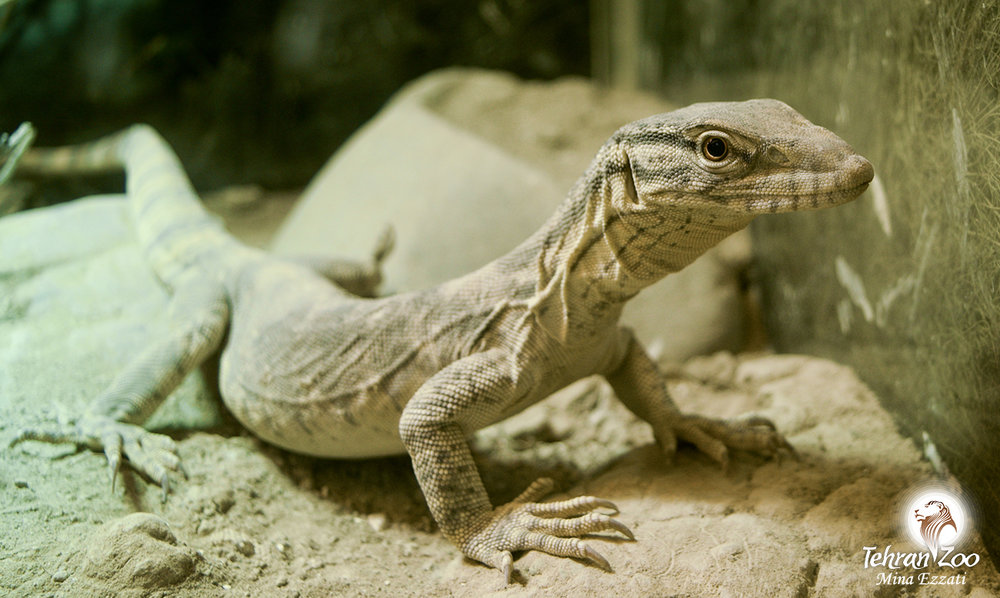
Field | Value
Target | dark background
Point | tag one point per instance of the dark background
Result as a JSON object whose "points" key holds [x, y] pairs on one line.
{"points": [[257, 91]]}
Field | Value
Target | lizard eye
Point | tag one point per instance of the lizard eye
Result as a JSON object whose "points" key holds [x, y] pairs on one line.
{"points": [[715, 148]]}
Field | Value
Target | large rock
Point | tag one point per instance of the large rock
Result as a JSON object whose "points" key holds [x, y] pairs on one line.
{"points": [[467, 164]]}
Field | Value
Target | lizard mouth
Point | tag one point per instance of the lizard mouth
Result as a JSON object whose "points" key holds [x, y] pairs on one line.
{"points": [[858, 189], [842, 185], [860, 175]]}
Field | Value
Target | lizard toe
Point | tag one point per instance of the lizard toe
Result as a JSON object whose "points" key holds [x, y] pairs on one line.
{"points": [[538, 490], [753, 419], [760, 435], [590, 523], [566, 547], [709, 439], [51, 434], [571, 507]]}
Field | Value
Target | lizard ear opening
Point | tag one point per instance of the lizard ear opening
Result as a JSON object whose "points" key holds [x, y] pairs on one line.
{"points": [[628, 181]]}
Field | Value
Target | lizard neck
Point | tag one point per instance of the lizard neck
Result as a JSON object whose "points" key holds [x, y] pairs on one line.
{"points": [[598, 251]]}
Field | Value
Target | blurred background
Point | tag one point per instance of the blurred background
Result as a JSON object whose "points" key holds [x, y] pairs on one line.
{"points": [[903, 285], [260, 91]]}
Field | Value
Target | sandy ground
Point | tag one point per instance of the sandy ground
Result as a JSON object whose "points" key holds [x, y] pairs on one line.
{"points": [[252, 520]]}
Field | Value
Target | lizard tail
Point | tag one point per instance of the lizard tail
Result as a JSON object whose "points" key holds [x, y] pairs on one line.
{"points": [[174, 229]]}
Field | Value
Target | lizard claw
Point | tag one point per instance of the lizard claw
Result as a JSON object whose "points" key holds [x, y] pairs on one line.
{"points": [[507, 567], [621, 528], [165, 484], [752, 419], [597, 559], [113, 452]]}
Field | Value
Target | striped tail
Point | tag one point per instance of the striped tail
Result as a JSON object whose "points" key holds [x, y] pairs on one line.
{"points": [[174, 229]]}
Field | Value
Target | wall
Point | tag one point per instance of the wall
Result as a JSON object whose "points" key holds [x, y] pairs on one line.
{"points": [[904, 284]]}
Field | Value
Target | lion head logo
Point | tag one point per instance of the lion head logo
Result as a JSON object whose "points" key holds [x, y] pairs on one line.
{"points": [[934, 517]]}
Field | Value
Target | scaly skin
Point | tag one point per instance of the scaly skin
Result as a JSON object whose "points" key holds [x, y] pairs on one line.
{"points": [[317, 370]]}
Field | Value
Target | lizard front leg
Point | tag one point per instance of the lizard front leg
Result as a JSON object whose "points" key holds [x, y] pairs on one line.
{"points": [[434, 426], [638, 383], [113, 423]]}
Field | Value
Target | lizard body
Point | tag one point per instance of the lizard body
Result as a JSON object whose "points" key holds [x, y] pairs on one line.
{"points": [[319, 370]]}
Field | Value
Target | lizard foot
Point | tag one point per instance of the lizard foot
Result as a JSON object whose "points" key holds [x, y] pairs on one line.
{"points": [[153, 455], [554, 528], [715, 437]]}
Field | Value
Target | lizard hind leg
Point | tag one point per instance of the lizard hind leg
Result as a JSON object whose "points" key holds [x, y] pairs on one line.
{"points": [[113, 423]]}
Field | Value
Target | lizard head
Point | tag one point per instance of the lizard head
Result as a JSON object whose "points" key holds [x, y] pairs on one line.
{"points": [[753, 157]]}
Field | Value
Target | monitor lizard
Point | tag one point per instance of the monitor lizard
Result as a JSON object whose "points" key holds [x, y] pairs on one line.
{"points": [[312, 367]]}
